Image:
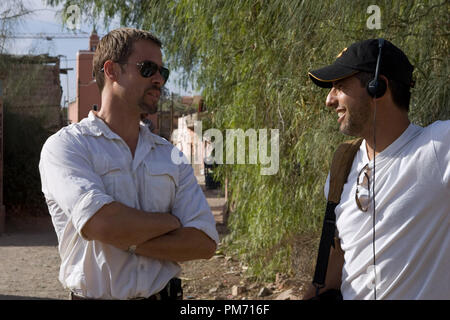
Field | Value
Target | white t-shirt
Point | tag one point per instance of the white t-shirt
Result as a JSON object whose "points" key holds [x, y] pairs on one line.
{"points": [[412, 203]]}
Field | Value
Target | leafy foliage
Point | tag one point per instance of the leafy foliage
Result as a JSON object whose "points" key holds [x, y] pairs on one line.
{"points": [[12, 13], [250, 59]]}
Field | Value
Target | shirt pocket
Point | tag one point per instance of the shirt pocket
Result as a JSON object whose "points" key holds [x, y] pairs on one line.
{"points": [[116, 179], [160, 183]]}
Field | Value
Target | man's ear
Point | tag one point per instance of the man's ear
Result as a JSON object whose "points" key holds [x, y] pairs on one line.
{"points": [[110, 70], [386, 81]]}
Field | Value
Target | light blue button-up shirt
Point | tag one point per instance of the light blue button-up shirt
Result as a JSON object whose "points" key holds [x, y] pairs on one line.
{"points": [[85, 166]]}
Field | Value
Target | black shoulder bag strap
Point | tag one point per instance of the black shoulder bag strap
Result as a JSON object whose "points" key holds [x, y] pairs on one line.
{"points": [[340, 168]]}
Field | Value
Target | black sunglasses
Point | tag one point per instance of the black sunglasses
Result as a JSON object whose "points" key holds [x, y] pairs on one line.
{"points": [[148, 68]]}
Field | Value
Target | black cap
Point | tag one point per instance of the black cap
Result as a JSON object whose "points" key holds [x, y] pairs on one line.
{"points": [[362, 56]]}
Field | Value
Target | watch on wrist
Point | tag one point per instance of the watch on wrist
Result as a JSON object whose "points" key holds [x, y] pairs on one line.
{"points": [[132, 249]]}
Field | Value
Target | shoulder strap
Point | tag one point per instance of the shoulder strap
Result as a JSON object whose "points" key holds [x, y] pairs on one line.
{"points": [[340, 168]]}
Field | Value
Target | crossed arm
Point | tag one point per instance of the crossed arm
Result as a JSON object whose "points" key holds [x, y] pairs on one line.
{"points": [[157, 235], [68, 178]]}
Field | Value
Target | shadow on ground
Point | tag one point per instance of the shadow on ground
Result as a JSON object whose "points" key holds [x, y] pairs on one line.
{"points": [[10, 297], [29, 231], [28, 239]]}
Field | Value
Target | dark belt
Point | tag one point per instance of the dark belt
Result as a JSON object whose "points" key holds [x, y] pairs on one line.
{"points": [[172, 291]]}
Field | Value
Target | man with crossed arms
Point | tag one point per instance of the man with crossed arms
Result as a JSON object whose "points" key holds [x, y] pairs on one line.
{"points": [[123, 211]]}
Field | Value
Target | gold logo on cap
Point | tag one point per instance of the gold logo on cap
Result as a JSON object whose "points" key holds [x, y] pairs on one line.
{"points": [[340, 53]]}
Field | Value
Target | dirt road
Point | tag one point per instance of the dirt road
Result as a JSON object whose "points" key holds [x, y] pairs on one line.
{"points": [[29, 266]]}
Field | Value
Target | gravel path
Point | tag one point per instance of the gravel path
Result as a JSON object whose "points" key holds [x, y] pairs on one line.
{"points": [[29, 265]]}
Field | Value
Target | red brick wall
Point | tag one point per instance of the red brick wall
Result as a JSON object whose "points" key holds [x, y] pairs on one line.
{"points": [[88, 93]]}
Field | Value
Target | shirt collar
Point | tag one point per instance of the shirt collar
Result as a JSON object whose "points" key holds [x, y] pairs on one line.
{"points": [[94, 126], [146, 143], [395, 147]]}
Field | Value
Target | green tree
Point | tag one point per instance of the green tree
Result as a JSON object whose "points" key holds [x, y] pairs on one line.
{"points": [[12, 13], [250, 60]]}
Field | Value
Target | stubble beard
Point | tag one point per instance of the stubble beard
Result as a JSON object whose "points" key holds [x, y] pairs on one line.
{"points": [[148, 108], [357, 120]]}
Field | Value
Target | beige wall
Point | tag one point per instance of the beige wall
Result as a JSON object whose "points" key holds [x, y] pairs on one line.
{"points": [[184, 138]]}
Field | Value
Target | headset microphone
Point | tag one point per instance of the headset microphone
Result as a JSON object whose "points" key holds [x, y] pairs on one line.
{"points": [[377, 87]]}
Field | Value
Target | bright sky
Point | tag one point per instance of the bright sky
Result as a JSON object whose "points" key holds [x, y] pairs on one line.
{"points": [[47, 21]]}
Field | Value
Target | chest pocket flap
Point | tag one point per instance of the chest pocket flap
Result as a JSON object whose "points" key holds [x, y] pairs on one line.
{"points": [[157, 168], [104, 164], [116, 179], [160, 184]]}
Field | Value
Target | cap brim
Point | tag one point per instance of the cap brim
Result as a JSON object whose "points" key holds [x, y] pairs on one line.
{"points": [[325, 76]]}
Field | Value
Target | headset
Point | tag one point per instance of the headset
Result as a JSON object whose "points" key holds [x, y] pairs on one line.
{"points": [[376, 89]]}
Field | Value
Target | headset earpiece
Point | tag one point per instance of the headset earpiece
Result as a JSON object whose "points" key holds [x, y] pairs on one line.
{"points": [[377, 87]]}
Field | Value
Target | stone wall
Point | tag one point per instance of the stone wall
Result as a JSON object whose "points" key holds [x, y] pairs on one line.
{"points": [[32, 87]]}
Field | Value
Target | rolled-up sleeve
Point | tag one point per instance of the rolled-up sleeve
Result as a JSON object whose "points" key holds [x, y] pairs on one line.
{"points": [[68, 179], [191, 206]]}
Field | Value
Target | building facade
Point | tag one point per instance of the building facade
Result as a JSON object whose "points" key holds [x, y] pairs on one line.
{"points": [[87, 92]]}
